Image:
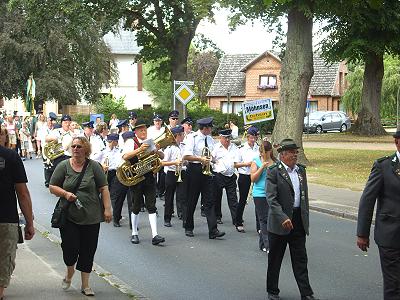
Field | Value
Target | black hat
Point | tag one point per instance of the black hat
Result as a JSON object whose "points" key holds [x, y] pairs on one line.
{"points": [[66, 118], [225, 132], [187, 120], [132, 115], [128, 134], [122, 123], [140, 123], [52, 116], [157, 117], [287, 144], [177, 129], [88, 124], [113, 137], [397, 134], [173, 114], [205, 122], [253, 131]]}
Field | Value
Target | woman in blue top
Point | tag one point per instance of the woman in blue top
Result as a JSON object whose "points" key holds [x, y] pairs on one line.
{"points": [[258, 175]]}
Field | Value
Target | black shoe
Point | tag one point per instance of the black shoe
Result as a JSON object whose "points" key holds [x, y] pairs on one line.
{"points": [[180, 217], [219, 221], [142, 209], [189, 233], [135, 239], [167, 224], [157, 240], [216, 234], [203, 214], [116, 224], [273, 297], [310, 297], [46, 185]]}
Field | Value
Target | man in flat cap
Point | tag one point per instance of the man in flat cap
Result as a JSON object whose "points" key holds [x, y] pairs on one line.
{"points": [[288, 221], [383, 186], [173, 119], [199, 181]]}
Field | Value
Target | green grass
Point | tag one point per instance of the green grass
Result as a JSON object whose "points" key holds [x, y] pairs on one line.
{"points": [[335, 137], [341, 168]]}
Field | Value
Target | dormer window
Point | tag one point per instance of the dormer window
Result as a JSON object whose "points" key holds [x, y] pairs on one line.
{"points": [[267, 82]]}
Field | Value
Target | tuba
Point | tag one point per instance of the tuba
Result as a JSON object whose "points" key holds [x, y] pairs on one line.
{"points": [[53, 150], [207, 167], [131, 174]]}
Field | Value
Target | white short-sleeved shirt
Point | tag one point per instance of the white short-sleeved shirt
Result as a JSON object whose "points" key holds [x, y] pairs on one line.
{"points": [[247, 154], [172, 153], [195, 143], [98, 145], [114, 157], [225, 159], [153, 132], [63, 137]]}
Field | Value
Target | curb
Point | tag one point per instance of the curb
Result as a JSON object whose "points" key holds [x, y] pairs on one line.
{"points": [[112, 280], [337, 213]]}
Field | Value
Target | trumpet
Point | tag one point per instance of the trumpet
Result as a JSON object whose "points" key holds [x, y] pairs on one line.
{"points": [[207, 166], [178, 170], [106, 164]]}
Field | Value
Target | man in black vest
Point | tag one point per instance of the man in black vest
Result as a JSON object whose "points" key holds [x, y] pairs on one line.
{"points": [[383, 185]]}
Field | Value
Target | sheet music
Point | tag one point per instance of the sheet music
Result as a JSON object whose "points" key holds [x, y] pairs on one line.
{"points": [[152, 146]]}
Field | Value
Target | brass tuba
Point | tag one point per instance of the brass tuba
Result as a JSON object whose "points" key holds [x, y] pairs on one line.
{"points": [[53, 150], [130, 175]]}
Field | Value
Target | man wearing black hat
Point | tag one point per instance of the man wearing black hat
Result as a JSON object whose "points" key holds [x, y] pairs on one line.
{"points": [[173, 119], [196, 147], [226, 155], [88, 129], [175, 170], [288, 221], [383, 185], [145, 189], [132, 120]]}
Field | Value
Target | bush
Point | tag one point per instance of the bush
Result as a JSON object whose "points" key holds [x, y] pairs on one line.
{"points": [[108, 105]]}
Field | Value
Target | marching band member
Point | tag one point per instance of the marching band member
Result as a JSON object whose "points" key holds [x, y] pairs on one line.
{"points": [[132, 120], [75, 129], [226, 155], [200, 183], [173, 119], [99, 141], [146, 188], [64, 136], [175, 170], [187, 124], [246, 153], [122, 127], [88, 130]]}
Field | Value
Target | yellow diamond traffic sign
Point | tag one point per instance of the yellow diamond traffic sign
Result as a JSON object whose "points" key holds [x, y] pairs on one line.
{"points": [[184, 94]]}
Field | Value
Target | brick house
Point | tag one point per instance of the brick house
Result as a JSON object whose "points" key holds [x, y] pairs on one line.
{"points": [[251, 76]]}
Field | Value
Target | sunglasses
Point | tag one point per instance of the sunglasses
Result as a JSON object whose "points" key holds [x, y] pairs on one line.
{"points": [[174, 118], [76, 146]]}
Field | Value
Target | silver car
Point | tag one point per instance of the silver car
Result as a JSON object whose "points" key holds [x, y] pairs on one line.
{"points": [[323, 121]]}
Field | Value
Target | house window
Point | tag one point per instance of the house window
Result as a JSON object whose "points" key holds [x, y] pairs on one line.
{"points": [[313, 106], [234, 107], [267, 82]]}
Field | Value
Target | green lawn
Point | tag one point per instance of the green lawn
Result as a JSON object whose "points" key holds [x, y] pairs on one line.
{"points": [[346, 137], [341, 168]]}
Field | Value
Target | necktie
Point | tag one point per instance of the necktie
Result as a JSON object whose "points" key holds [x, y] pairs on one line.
{"points": [[205, 142]]}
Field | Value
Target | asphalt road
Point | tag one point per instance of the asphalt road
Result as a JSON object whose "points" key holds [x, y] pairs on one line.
{"points": [[230, 268]]}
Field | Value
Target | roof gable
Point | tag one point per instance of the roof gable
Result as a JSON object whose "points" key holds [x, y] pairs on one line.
{"points": [[259, 57], [123, 42]]}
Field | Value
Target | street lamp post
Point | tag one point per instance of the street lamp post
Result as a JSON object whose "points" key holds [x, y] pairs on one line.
{"points": [[397, 115], [228, 94]]}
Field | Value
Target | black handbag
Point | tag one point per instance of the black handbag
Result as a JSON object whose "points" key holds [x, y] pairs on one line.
{"points": [[60, 213]]}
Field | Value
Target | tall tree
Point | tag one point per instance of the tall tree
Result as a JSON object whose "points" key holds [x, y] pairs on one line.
{"points": [[365, 31]]}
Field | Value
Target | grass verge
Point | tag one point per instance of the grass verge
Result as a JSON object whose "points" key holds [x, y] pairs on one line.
{"points": [[342, 137], [341, 167]]}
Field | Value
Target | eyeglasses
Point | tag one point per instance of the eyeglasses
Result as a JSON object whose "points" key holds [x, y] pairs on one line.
{"points": [[76, 146]]}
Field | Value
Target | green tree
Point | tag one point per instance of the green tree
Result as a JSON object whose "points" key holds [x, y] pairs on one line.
{"points": [[159, 87], [365, 31], [68, 64]]}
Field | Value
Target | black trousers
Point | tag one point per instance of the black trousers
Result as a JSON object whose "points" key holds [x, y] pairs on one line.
{"points": [[161, 182], [244, 183], [261, 206], [203, 184], [79, 244], [390, 264], [298, 255], [171, 185], [229, 184], [146, 189]]}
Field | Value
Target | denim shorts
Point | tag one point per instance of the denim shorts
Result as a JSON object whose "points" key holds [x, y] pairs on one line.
{"points": [[8, 250]]}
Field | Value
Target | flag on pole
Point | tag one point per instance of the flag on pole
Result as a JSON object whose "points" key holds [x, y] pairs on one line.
{"points": [[30, 94]]}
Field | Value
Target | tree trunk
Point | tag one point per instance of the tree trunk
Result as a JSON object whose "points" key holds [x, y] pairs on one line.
{"points": [[369, 119], [296, 73]]}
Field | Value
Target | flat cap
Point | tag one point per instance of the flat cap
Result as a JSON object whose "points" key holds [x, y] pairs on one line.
{"points": [[122, 123], [177, 129], [157, 117], [253, 131], [188, 120], [128, 134], [205, 121], [397, 134], [173, 114], [52, 116], [132, 115], [88, 124], [140, 123], [225, 132], [113, 137], [287, 144], [66, 118]]}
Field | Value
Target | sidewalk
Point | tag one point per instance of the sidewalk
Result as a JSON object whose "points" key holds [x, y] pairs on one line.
{"points": [[40, 270]]}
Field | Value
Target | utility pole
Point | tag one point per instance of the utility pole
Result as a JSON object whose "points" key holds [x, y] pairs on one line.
{"points": [[228, 94]]}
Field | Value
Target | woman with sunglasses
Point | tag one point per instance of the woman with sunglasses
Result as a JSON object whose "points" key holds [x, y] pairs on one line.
{"points": [[258, 175], [86, 210]]}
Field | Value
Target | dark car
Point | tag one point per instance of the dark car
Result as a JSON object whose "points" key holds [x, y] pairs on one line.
{"points": [[323, 121]]}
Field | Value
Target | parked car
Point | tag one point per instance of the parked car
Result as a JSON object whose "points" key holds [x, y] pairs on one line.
{"points": [[323, 121]]}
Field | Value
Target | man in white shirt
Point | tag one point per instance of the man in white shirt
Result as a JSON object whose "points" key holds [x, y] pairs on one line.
{"points": [[187, 124], [173, 119], [157, 129]]}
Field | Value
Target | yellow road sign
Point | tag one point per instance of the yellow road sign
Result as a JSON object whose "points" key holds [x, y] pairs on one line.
{"points": [[184, 94]]}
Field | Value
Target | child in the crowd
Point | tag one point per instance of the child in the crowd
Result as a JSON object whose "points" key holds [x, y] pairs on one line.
{"points": [[25, 136]]}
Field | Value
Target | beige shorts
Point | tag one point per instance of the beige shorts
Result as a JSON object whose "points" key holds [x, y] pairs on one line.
{"points": [[12, 138], [8, 250]]}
